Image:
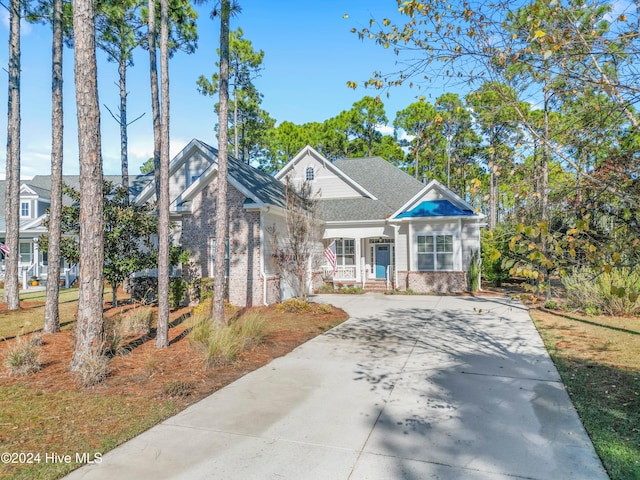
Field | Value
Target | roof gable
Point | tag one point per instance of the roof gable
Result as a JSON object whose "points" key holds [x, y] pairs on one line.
{"points": [[435, 200], [259, 187], [329, 180]]}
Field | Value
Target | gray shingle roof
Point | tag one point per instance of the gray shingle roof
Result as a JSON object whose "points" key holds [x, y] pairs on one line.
{"points": [[41, 184], [391, 186], [265, 187]]}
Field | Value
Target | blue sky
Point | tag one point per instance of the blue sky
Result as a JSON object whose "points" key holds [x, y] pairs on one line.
{"points": [[310, 54]]}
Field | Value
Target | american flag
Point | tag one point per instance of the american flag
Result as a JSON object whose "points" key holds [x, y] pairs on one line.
{"points": [[330, 254], [4, 249]]}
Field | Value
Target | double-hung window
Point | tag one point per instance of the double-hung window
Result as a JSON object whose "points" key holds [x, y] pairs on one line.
{"points": [[25, 209], [345, 251], [435, 252], [25, 252]]}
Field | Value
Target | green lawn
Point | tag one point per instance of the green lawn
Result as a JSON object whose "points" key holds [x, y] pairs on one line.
{"points": [[599, 361], [31, 315]]}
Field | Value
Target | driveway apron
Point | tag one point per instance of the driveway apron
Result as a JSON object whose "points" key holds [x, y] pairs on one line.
{"points": [[411, 387]]}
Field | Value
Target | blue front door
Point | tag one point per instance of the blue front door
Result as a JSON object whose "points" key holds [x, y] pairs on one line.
{"points": [[383, 258]]}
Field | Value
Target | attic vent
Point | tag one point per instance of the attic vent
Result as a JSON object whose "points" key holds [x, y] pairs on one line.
{"points": [[310, 174]]}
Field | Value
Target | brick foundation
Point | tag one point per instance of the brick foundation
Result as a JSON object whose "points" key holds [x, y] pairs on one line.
{"points": [[438, 282]]}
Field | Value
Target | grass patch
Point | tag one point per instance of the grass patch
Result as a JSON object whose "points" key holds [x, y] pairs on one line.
{"points": [[88, 422], [30, 317], [598, 359]]}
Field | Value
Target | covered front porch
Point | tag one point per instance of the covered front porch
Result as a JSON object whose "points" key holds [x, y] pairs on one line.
{"points": [[33, 265], [364, 255]]}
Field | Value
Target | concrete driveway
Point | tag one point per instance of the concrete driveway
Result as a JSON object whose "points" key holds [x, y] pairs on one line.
{"points": [[411, 387]]}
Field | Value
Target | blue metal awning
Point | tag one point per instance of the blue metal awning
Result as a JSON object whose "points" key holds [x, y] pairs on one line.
{"points": [[435, 208]]}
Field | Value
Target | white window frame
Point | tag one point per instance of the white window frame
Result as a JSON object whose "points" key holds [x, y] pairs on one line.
{"points": [[340, 252], [24, 204], [25, 257], [432, 250], [212, 257], [310, 174]]}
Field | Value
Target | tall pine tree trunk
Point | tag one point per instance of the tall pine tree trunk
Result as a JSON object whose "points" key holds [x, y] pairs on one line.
{"points": [[51, 313], [124, 155], [89, 325], [155, 102], [12, 193], [162, 334], [219, 269]]}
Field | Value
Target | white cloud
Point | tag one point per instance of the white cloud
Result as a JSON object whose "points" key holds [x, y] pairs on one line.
{"points": [[25, 27]]}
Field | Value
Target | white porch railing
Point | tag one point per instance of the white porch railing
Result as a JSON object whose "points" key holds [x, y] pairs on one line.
{"points": [[346, 272], [70, 275], [25, 274]]}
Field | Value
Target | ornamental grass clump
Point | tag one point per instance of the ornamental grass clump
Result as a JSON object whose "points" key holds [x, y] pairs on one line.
{"points": [[136, 322], [221, 344], [22, 358], [93, 370]]}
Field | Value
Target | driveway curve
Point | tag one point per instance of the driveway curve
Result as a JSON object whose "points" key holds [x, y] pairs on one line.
{"points": [[411, 387]]}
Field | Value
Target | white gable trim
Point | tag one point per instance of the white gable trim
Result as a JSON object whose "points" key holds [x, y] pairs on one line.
{"points": [[175, 164], [33, 224], [207, 176], [434, 184], [27, 190], [308, 150]]}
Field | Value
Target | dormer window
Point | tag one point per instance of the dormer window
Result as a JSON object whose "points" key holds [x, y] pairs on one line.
{"points": [[25, 209], [310, 174]]}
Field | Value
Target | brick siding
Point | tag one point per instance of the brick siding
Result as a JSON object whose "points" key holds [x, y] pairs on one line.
{"points": [[244, 285]]}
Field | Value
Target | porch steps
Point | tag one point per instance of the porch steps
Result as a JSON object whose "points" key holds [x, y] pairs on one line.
{"points": [[375, 285]]}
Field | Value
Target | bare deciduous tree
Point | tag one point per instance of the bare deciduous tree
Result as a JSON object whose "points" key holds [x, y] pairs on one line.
{"points": [[295, 249]]}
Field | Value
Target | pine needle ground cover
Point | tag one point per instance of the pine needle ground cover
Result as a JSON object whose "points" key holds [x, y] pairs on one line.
{"points": [[52, 425]]}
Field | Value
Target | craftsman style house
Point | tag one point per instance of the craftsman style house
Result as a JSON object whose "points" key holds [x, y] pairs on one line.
{"points": [[389, 229]]}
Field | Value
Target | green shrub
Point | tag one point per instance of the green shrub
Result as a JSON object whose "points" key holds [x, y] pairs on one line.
{"points": [[613, 293], [294, 305], [177, 289], [494, 252], [326, 288], [206, 288], [22, 358], [355, 290], [551, 305], [474, 272]]}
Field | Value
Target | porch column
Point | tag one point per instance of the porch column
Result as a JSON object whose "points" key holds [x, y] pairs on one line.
{"points": [[36, 258], [357, 245]]}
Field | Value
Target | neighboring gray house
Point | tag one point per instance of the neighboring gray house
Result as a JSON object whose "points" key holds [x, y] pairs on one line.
{"points": [[389, 229], [35, 199]]}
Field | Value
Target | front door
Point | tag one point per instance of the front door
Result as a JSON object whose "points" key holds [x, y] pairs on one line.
{"points": [[383, 259]]}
